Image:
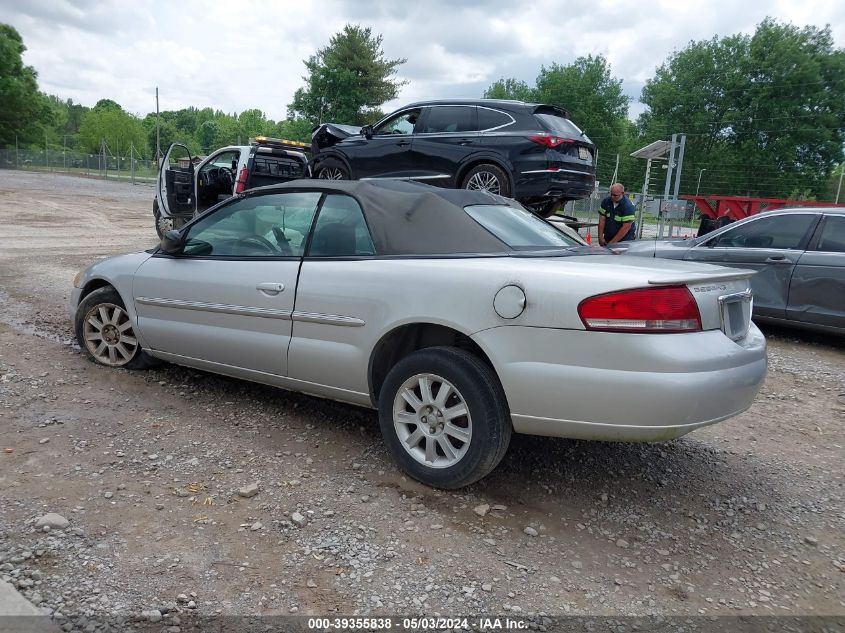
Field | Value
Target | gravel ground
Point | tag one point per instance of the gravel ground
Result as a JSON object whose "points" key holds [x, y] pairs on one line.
{"points": [[189, 493]]}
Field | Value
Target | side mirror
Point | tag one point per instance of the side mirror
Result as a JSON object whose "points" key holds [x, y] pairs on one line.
{"points": [[367, 131], [172, 243]]}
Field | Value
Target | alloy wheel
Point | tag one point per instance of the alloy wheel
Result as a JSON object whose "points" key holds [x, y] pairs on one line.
{"points": [[486, 181], [109, 336], [432, 421], [331, 173]]}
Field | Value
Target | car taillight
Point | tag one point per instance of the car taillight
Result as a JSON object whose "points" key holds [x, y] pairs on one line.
{"points": [[241, 184], [550, 141], [646, 310]]}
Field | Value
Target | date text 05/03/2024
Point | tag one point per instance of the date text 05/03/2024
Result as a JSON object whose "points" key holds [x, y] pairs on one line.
{"points": [[416, 624]]}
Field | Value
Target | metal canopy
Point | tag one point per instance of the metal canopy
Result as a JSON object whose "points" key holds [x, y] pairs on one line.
{"points": [[658, 150]]}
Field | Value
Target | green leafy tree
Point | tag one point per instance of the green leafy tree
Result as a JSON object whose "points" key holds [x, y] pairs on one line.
{"points": [[347, 80], [108, 122], [23, 110], [252, 123], [595, 101], [294, 129], [511, 89], [763, 114]]}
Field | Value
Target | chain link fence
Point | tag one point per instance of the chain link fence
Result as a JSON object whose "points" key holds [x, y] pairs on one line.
{"points": [[127, 168], [652, 223], [139, 171]]}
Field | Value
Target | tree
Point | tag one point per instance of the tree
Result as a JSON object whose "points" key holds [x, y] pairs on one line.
{"points": [[24, 111], [762, 114], [120, 130], [511, 89], [592, 96], [347, 80]]}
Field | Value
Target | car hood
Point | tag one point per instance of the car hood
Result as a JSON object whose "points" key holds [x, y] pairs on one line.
{"points": [[329, 134], [117, 270]]}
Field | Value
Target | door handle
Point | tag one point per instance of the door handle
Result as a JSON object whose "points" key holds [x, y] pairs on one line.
{"points": [[270, 288], [466, 141], [403, 143], [777, 259]]}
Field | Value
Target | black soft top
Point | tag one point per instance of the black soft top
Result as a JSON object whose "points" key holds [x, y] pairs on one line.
{"points": [[410, 218]]}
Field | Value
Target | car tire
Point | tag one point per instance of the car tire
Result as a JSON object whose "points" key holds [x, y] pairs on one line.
{"points": [[105, 332], [429, 445], [332, 169], [487, 177]]}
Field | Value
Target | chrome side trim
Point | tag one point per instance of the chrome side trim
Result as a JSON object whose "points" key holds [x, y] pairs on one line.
{"points": [[554, 171], [328, 319], [406, 177], [220, 308], [498, 127]]}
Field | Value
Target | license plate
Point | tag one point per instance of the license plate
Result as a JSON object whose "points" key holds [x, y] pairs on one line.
{"points": [[735, 313]]}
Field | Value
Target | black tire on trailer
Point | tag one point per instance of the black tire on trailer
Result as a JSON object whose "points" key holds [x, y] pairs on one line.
{"points": [[332, 169], [488, 177]]}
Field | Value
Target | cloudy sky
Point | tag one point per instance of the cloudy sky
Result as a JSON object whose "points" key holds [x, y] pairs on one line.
{"points": [[248, 54]]}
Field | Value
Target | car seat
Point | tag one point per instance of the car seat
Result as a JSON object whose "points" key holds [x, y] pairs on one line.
{"points": [[333, 240]]}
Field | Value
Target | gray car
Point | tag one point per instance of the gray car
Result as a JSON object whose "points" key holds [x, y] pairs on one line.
{"points": [[458, 315], [799, 256]]}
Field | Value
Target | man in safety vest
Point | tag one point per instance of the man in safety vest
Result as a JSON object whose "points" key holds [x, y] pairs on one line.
{"points": [[616, 217]]}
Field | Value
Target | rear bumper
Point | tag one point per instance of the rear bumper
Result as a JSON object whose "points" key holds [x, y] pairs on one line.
{"points": [[623, 387], [571, 184]]}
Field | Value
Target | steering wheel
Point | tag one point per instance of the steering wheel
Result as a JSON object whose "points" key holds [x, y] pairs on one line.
{"points": [[284, 243], [225, 178], [257, 240]]}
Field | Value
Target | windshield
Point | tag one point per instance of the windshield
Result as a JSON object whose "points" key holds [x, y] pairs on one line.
{"points": [[562, 127], [519, 229]]}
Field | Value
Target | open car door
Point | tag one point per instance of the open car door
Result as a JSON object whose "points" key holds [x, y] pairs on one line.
{"points": [[175, 194]]}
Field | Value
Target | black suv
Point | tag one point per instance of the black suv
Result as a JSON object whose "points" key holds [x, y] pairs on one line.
{"points": [[527, 151]]}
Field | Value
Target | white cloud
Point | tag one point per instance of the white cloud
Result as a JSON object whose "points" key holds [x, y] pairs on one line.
{"points": [[250, 54]]}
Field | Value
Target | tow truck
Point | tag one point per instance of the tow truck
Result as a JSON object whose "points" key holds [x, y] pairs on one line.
{"points": [[190, 185]]}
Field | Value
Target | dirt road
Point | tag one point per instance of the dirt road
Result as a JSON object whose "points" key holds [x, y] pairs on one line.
{"points": [[745, 517]]}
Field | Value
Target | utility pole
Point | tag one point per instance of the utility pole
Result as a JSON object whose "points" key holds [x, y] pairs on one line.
{"points": [[838, 189], [158, 131], [46, 154], [16, 152]]}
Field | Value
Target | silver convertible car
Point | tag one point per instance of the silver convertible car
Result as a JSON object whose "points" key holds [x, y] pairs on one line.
{"points": [[458, 315]]}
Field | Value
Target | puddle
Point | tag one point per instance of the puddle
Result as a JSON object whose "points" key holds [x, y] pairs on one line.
{"points": [[18, 316]]}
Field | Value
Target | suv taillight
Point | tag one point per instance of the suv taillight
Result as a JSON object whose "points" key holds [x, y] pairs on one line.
{"points": [[550, 141], [645, 310], [242, 177]]}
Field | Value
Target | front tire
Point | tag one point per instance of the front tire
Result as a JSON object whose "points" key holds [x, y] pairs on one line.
{"points": [[105, 331], [332, 169], [488, 177], [444, 417]]}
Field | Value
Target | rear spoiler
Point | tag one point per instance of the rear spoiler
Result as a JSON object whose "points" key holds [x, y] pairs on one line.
{"points": [[697, 278], [550, 109]]}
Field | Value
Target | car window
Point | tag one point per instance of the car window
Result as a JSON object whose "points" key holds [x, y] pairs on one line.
{"points": [[832, 239], [272, 225], [224, 159], [401, 124], [450, 119], [778, 231], [560, 126], [341, 230], [518, 228], [489, 119]]}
